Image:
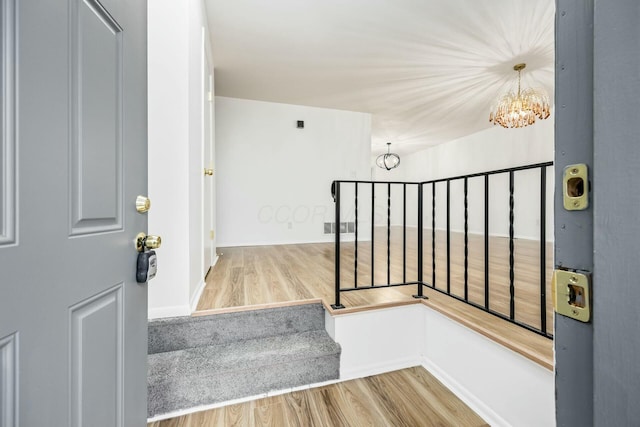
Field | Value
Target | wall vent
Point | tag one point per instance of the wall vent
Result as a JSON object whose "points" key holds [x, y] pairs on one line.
{"points": [[345, 227]]}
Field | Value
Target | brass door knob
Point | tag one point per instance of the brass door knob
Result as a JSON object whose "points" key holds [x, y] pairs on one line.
{"points": [[143, 204], [144, 242], [208, 172], [152, 242]]}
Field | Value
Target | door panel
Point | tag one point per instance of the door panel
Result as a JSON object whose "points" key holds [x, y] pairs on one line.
{"points": [[96, 119], [96, 369], [8, 381], [67, 283], [7, 140]]}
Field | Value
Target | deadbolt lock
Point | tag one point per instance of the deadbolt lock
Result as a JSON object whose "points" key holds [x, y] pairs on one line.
{"points": [[575, 187], [572, 294], [144, 242], [143, 204]]}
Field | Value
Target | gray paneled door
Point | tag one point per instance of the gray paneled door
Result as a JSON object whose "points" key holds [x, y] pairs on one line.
{"points": [[73, 152]]}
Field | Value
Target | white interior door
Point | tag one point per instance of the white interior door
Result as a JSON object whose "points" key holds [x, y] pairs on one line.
{"points": [[73, 158], [209, 178]]}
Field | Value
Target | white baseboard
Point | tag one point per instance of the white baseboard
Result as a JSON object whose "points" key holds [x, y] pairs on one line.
{"points": [[196, 295], [343, 239], [173, 311], [195, 298], [470, 399], [379, 368]]}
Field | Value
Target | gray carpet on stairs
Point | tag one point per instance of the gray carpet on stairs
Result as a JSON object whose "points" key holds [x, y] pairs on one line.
{"points": [[196, 361]]}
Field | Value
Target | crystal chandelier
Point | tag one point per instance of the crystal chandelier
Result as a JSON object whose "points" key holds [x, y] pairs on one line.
{"points": [[516, 110], [388, 160]]}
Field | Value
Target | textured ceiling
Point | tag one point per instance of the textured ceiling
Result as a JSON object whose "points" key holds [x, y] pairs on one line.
{"points": [[427, 70]]}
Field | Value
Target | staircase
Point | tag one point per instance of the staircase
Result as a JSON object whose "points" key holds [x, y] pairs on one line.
{"points": [[196, 361]]}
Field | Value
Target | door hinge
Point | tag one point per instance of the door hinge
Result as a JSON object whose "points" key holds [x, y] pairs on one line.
{"points": [[212, 234], [210, 96]]}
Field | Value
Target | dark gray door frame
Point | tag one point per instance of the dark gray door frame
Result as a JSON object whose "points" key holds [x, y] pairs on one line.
{"points": [[573, 230], [598, 123]]}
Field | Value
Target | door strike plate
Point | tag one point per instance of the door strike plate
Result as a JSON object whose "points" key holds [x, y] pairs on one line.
{"points": [[575, 187], [572, 294]]}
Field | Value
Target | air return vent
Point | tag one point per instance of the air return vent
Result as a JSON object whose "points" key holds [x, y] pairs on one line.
{"points": [[345, 227]]}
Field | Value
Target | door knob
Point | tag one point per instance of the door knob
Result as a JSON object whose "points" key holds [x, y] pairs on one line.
{"points": [[208, 172], [144, 242], [143, 204]]}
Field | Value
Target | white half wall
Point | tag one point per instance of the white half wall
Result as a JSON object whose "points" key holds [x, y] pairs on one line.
{"points": [[501, 386], [175, 151], [492, 149], [273, 183]]}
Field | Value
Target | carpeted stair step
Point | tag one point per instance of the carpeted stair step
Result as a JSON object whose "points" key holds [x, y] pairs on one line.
{"points": [[178, 333], [282, 348]]}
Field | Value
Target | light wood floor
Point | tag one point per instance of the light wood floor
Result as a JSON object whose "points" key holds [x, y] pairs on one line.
{"points": [[409, 397], [246, 277], [258, 275]]}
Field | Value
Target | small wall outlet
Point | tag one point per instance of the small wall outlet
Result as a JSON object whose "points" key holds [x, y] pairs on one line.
{"points": [[300, 124]]}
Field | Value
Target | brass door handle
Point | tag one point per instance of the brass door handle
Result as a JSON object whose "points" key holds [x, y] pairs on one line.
{"points": [[208, 172], [144, 242]]}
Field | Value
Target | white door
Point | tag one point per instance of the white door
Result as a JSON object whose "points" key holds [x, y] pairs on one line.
{"points": [[73, 147], [209, 177]]}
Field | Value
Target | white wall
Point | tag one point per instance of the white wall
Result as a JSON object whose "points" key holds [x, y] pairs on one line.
{"points": [[492, 149], [503, 387], [273, 181], [175, 151]]}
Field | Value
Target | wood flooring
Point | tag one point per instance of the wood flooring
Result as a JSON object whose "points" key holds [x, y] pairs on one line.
{"points": [[271, 274], [409, 397], [264, 276]]}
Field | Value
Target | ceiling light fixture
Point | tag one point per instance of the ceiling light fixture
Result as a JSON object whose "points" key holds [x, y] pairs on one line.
{"points": [[516, 110], [388, 160]]}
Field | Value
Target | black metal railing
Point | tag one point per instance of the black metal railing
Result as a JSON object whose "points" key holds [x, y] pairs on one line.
{"points": [[418, 189]]}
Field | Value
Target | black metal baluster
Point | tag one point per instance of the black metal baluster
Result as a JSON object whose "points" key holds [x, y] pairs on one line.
{"points": [[512, 289], [337, 305], [466, 241], [336, 190], [448, 236], [404, 233], [433, 234], [486, 242], [420, 293], [388, 233], [355, 249], [543, 249], [373, 207]]}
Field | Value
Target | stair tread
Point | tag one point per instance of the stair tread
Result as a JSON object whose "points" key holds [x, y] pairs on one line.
{"points": [[238, 355], [179, 333]]}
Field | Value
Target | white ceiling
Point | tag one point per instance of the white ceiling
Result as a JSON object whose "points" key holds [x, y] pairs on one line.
{"points": [[427, 70]]}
